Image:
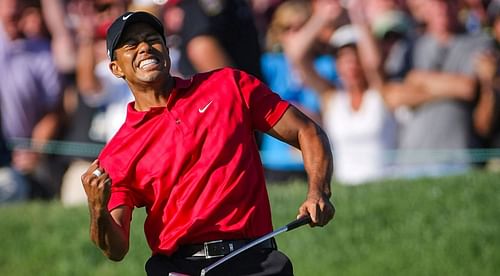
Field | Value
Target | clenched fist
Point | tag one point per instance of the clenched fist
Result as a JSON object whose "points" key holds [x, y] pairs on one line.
{"points": [[97, 186]]}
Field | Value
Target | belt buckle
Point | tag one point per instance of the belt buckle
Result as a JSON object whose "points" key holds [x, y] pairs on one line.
{"points": [[205, 249]]}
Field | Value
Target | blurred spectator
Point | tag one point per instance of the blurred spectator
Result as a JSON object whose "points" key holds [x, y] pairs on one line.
{"points": [[281, 161], [30, 98], [150, 6], [340, 18], [263, 11], [32, 24], [358, 122], [219, 33], [487, 110], [417, 11], [377, 8], [61, 39], [394, 34], [473, 15], [102, 98], [173, 17], [97, 85], [12, 185], [5, 153], [440, 89]]}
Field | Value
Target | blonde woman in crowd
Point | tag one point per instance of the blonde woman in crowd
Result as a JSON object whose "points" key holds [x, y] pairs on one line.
{"points": [[281, 161]]}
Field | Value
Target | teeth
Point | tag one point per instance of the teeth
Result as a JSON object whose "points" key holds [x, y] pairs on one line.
{"points": [[147, 62]]}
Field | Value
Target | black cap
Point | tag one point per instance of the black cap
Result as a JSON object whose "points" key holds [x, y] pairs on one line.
{"points": [[116, 29]]}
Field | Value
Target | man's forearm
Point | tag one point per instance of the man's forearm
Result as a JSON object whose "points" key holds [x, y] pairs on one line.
{"points": [[298, 130], [108, 235], [318, 163], [318, 160]]}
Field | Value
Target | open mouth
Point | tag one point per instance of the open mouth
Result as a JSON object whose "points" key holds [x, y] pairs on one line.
{"points": [[148, 63]]}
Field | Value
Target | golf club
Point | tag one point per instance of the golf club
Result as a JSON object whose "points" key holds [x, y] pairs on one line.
{"points": [[290, 226]]}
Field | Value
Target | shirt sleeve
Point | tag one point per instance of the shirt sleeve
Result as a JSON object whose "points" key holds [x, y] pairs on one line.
{"points": [[265, 106], [120, 196], [121, 192]]}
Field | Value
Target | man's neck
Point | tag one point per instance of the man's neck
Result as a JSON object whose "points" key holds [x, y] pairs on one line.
{"points": [[149, 96]]}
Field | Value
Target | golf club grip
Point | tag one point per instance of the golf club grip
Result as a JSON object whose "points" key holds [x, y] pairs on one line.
{"points": [[299, 222]]}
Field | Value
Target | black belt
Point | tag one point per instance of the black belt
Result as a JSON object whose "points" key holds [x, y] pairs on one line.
{"points": [[213, 249]]}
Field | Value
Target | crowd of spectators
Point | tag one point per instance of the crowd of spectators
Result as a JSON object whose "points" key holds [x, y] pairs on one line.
{"points": [[404, 88]]}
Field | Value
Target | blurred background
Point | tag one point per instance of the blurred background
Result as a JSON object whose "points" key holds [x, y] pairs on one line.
{"points": [[404, 89], [408, 92]]}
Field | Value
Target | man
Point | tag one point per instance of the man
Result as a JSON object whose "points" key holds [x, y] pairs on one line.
{"points": [[440, 89], [187, 153]]}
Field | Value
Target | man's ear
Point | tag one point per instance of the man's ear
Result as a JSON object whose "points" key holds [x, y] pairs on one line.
{"points": [[116, 70]]}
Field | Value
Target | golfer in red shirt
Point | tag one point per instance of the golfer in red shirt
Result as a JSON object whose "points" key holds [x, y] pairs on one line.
{"points": [[187, 153]]}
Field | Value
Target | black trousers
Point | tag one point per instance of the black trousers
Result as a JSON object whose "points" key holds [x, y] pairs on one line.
{"points": [[255, 262]]}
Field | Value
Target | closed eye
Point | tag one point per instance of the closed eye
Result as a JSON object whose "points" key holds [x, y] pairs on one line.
{"points": [[130, 43], [154, 39], [133, 42]]}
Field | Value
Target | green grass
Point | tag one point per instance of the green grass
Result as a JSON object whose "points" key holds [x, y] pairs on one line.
{"points": [[446, 226]]}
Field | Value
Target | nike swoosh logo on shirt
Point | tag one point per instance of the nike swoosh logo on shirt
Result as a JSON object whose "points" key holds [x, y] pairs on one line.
{"points": [[201, 110], [125, 17]]}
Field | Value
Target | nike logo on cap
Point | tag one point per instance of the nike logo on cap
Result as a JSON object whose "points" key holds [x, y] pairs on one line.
{"points": [[125, 17], [201, 110]]}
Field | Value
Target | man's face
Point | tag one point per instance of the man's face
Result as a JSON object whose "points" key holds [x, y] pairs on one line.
{"points": [[141, 55]]}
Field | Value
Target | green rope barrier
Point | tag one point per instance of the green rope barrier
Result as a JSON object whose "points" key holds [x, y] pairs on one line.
{"points": [[81, 149]]}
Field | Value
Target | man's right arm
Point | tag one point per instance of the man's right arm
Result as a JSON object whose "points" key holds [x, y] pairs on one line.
{"points": [[298, 130], [109, 230]]}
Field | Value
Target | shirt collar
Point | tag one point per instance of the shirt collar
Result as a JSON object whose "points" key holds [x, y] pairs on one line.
{"points": [[135, 117], [182, 83]]}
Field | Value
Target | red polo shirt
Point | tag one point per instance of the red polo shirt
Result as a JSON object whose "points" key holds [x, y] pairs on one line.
{"points": [[194, 164]]}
